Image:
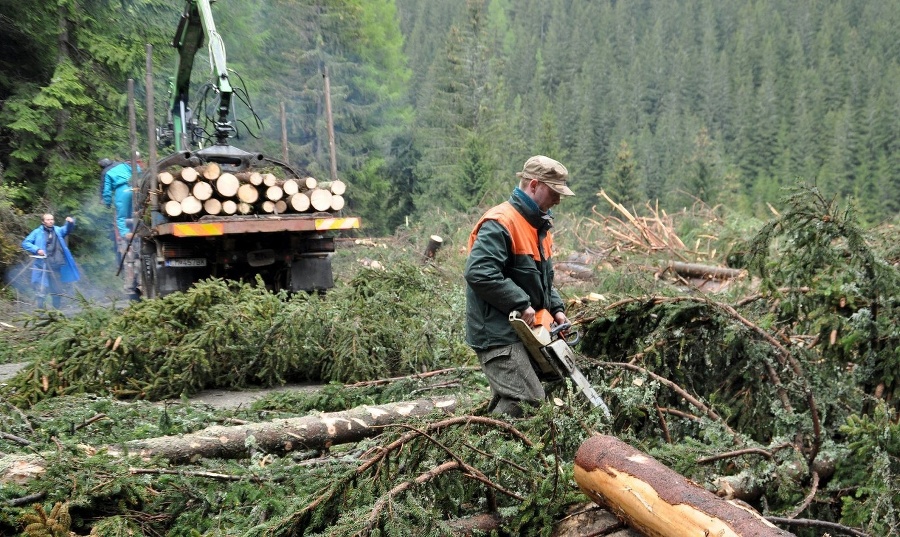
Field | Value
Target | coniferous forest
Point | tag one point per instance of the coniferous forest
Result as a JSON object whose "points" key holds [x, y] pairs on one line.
{"points": [[437, 104], [763, 135]]}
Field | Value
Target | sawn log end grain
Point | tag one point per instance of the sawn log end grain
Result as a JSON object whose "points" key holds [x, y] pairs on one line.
{"points": [[657, 500]]}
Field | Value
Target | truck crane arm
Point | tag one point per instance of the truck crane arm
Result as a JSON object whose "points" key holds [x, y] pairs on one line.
{"points": [[195, 26]]}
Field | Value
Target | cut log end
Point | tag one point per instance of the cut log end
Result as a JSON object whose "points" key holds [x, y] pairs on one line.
{"points": [[657, 500], [227, 185], [320, 200]]}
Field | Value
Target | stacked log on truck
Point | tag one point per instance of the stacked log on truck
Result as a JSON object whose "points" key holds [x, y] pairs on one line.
{"points": [[206, 190]]}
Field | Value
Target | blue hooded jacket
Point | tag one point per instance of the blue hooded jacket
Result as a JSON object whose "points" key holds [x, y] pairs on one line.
{"points": [[117, 184], [37, 240]]}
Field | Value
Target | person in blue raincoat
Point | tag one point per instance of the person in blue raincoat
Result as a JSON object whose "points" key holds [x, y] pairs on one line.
{"points": [[117, 191], [54, 266]]}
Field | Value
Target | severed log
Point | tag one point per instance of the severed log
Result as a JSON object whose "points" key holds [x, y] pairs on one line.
{"points": [[578, 271], [165, 178], [290, 187], [191, 205], [254, 178], [335, 187], [172, 208], [656, 500], [202, 190], [227, 185], [337, 202], [229, 207], [212, 206], [210, 171], [695, 270], [21, 469], [189, 174], [269, 179], [280, 207], [299, 202], [268, 206], [308, 183], [285, 435], [319, 432], [178, 190], [247, 193], [274, 193], [244, 207], [319, 199]]}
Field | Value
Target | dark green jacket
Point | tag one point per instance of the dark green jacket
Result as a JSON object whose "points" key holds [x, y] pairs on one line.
{"points": [[508, 269]]}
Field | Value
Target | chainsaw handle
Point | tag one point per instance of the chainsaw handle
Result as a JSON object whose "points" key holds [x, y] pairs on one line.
{"points": [[565, 328], [560, 328]]}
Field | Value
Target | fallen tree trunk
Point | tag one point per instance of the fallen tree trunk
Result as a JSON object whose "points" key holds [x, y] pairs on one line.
{"points": [[278, 436], [284, 435], [694, 270], [656, 500]]}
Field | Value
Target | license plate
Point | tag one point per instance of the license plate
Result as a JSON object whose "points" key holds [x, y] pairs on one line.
{"points": [[187, 262]]}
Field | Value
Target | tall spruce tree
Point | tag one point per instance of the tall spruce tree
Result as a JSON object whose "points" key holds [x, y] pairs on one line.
{"points": [[72, 110], [623, 182]]}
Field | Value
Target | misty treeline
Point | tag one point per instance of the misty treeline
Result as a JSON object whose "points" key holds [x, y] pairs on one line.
{"points": [[437, 104]]}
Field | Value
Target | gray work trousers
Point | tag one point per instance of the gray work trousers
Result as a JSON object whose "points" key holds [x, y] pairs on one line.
{"points": [[513, 380]]}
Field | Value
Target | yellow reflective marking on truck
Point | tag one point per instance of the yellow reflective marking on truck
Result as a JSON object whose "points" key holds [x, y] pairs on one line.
{"points": [[198, 230], [324, 224]]}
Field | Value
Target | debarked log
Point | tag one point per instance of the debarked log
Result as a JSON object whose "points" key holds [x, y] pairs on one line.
{"points": [[656, 500], [284, 435]]}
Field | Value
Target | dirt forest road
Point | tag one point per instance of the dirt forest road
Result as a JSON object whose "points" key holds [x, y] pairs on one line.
{"points": [[8, 370], [221, 399]]}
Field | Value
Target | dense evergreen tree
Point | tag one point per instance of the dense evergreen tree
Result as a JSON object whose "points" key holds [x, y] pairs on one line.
{"points": [[623, 182], [64, 105], [785, 90]]}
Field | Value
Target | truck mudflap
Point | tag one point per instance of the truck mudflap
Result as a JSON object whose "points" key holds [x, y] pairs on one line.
{"points": [[255, 224]]}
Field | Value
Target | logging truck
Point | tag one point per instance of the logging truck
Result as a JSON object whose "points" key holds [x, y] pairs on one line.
{"points": [[219, 211]]}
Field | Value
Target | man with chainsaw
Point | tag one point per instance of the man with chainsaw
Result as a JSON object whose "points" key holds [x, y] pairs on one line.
{"points": [[509, 269]]}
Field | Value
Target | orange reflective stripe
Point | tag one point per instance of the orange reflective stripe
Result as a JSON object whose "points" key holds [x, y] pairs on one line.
{"points": [[324, 224], [524, 236], [195, 229]]}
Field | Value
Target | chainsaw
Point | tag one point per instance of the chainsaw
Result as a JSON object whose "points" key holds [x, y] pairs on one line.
{"points": [[552, 354]]}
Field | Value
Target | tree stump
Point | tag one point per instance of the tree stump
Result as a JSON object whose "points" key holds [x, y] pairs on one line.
{"points": [[434, 244]]}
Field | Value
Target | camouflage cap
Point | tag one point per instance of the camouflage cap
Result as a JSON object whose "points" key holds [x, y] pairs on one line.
{"points": [[549, 172]]}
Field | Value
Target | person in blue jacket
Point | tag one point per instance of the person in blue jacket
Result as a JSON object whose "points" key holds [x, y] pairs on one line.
{"points": [[117, 191], [54, 265]]}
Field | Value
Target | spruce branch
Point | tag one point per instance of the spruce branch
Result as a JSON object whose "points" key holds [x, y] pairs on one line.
{"points": [[710, 413]]}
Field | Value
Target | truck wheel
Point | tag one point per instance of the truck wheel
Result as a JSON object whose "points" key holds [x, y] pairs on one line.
{"points": [[148, 271]]}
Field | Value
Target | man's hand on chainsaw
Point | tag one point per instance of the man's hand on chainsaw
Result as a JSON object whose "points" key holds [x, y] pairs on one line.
{"points": [[560, 319], [528, 315]]}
